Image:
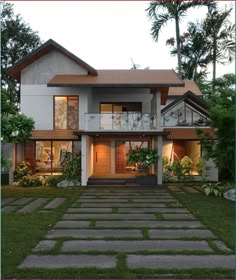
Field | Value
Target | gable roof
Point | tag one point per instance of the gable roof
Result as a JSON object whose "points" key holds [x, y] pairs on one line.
{"points": [[120, 78], [48, 46], [189, 85], [191, 99]]}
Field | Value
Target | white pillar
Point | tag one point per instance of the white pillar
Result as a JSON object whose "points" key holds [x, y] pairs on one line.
{"points": [[158, 110], [159, 163], [84, 176]]}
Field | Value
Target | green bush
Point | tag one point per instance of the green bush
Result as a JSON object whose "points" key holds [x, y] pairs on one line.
{"points": [[217, 189], [30, 181], [71, 166], [144, 158], [53, 180], [22, 169]]}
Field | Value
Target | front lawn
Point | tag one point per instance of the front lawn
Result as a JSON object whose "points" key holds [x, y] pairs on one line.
{"points": [[21, 233]]}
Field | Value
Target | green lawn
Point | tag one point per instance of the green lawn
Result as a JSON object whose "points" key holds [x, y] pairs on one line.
{"points": [[21, 233]]}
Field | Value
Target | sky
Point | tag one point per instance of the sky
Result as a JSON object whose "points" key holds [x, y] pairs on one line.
{"points": [[109, 34]]}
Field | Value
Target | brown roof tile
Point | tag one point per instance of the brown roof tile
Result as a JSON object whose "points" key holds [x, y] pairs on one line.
{"points": [[186, 133], [53, 135], [113, 78], [189, 86]]}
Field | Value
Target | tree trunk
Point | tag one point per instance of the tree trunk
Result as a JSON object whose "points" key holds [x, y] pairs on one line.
{"points": [[178, 45], [214, 64]]}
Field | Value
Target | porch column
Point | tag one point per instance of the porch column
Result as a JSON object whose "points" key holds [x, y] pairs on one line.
{"points": [[84, 176], [159, 163]]}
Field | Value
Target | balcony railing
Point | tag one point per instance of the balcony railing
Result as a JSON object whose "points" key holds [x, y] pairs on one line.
{"points": [[120, 122]]}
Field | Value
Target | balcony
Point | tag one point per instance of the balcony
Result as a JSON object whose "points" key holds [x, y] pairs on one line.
{"points": [[127, 121], [183, 116]]}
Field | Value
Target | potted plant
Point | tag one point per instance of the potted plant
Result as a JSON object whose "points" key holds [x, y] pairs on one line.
{"points": [[144, 158]]}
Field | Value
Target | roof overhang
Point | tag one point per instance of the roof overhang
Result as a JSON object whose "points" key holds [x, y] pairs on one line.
{"points": [[122, 133], [45, 48]]}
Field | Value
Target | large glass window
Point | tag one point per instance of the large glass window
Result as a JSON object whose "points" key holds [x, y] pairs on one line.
{"points": [[50, 154], [66, 112]]}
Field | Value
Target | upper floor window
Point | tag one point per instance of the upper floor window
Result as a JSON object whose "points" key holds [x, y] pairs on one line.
{"points": [[66, 112]]}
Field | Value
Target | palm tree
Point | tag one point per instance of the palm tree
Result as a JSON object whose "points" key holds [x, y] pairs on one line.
{"points": [[194, 52], [173, 10], [220, 38]]}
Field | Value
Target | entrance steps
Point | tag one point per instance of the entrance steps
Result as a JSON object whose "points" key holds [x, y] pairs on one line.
{"points": [[111, 182]]}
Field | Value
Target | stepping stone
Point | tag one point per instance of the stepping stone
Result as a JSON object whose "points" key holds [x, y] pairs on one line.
{"points": [[109, 216], [180, 261], [153, 210], [96, 200], [22, 201], [45, 245], [72, 224], [55, 203], [130, 204], [7, 200], [178, 216], [133, 246], [33, 205], [174, 188], [190, 190], [156, 200], [91, 233], [89, 210], [179, 233], [8, 209], [67, 261], [221, 245], [151, 224]]}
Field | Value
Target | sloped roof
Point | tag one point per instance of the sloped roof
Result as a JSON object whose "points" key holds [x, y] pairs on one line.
{"points": [[120, 78], [189, 85], [195, 101], [48, 46]]}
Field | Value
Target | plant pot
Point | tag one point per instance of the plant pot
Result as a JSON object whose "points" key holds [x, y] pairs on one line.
{"points": [[146, 180], [4, 179]]}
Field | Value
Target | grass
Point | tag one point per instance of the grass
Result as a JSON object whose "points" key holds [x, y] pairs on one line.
{"points": [[215, 212], [22, 232]]}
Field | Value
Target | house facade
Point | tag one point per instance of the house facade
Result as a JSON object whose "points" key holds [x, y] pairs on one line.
{"points": [[104, 114]]}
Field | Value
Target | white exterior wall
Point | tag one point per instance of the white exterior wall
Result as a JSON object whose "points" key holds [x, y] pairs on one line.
{"points": [[37, 102], [212, 171], [86, 158]]}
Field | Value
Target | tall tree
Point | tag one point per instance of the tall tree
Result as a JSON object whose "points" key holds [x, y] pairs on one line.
{"points": [[172, 10], [17, 40], [220, 37], [222, 114], [194, 52]]}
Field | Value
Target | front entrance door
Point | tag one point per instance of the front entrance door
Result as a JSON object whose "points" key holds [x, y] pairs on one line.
{"points": [[120, 156], [102, 157]]}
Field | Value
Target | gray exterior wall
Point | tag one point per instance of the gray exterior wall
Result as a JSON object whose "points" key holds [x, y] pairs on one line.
{"points": [[47, 66]]}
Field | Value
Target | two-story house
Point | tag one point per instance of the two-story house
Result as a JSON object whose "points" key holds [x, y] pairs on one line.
{"points": [[103, 114]]}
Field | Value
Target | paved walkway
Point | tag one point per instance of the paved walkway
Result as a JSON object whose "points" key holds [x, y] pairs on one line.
{"points": [[148, 225]]}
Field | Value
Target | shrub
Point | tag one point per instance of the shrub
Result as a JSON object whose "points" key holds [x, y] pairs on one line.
{"points": [[71, 166], [186, 164], [22, 169], [30, 181], [53, 180], [144, 158], [217, 189]]}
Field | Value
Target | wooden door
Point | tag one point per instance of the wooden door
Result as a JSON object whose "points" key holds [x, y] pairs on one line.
{"points": [[120, 157], [102, 157]]}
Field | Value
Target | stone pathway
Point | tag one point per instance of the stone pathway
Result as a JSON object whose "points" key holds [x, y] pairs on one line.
{"points": [[148, 226], [30, 204]]}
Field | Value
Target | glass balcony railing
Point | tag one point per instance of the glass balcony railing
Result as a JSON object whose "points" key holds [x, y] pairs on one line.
{"points": [[120, 122]]}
